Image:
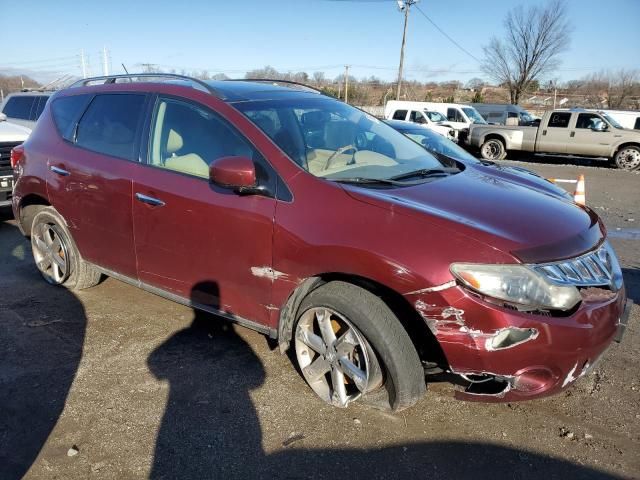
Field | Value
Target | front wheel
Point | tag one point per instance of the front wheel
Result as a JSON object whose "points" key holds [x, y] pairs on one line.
{"points": [[56, 255], [350, 346], [628, 158], [493, 149]]}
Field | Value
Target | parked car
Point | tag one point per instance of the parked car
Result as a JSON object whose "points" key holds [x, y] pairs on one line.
{"points": [[458, 116], [562, 132], [626, 118], [432, 120], [442, 147], [24, 108], [370, 257], [11, 135], [505, 114]]}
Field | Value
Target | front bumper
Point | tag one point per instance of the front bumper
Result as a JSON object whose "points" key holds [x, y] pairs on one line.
{"points": [[541, 355]]}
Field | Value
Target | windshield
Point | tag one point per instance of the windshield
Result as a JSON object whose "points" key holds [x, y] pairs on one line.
{"points": [[436, 143], [333, 140], [473, 115], [435, 116], [611, 121]]}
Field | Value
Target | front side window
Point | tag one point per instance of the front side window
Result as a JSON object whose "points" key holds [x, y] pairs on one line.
{"points": [[336, 141], [186, 138], [559, 120], [588, 120], [110, 124], [19, 107], [400, 115], [454, 115], [417, 117]]}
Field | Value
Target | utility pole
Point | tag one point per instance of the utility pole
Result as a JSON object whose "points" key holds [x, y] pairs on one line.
{"points": [[83, 64], [403, 5], [346, 83], [105, 62]]}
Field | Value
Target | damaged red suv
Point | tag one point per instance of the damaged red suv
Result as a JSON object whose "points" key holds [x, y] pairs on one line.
{"points": [[301, 217]]}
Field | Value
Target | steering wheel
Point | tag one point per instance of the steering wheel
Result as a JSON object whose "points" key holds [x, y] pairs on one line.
{"points": [[338, 152]]}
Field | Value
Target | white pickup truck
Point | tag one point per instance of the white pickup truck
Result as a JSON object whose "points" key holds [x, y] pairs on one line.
{"points": [[587, 133]]}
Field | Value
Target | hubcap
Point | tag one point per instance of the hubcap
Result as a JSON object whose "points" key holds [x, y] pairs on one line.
{"points": [[335, 358], [491, 150], [50, 253], [629, 159]]}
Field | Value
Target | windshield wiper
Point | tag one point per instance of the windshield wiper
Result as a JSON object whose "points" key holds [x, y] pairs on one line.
{"points": [[370, 181], [426, 172]]}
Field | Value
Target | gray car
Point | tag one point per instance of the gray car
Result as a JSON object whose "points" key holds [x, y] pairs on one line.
{"points": [[24, 108]]}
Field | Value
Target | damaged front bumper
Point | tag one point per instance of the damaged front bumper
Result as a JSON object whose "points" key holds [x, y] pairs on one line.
{"points": [[503, 354]]}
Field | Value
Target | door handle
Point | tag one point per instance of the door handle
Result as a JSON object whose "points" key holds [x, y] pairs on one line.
{"points": [[59, 171], [573, 134], [156, 202], [544, 132]]}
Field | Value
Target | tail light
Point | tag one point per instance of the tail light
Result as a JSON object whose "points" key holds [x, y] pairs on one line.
{"points": [[16, 155]]}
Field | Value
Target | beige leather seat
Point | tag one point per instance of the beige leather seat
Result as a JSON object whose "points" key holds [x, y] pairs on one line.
{"points": [[188, 163]]}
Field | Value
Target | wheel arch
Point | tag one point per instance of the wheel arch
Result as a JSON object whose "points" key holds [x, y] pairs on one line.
{"points": [[619, 147], [424, 341], [28, 207], [494, 136]]}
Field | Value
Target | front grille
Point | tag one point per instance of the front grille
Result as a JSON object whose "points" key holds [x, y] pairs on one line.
{"points": [[597, 268], [5, 154]]}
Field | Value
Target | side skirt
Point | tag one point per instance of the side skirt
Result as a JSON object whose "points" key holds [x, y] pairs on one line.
{"points": [[271, 332]]}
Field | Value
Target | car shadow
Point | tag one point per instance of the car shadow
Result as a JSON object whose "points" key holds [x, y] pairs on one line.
{"points": [[42, 331], [211, 429]]}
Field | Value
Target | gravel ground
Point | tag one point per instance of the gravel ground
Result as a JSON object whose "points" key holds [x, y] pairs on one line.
{"points": [[116, 383]]}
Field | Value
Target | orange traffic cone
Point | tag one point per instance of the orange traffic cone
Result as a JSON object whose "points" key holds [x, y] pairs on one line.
{"points": [[580, 195]]}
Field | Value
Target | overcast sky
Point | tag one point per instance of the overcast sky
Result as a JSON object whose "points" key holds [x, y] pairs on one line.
{"points": [[45, 38]]}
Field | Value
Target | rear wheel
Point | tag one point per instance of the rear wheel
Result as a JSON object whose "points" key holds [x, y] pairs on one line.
{"points": [[350, 346], [628, 158], [493, 149], [56, 255]]}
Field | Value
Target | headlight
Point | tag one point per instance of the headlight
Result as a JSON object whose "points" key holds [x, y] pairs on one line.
{"points": [[516, 284]]}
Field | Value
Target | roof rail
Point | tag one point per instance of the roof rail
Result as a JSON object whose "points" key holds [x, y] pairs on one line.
{"points": [[276, 82], [109, 79]]}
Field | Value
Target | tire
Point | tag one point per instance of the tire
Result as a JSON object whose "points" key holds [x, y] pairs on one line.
{"points": [[388, 374], [628, 158], [493, 149], [56, 255]]}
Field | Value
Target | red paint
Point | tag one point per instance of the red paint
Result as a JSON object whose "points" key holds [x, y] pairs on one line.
{"points": [[233, 172], [404, 239]]}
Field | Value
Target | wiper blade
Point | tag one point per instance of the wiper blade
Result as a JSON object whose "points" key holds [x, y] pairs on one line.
{"points": [[369, 181], [426, 172]]}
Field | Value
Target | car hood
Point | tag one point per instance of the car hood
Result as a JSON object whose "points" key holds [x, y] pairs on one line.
{"points": [[531, 225], [11, 132], [524, 177]]}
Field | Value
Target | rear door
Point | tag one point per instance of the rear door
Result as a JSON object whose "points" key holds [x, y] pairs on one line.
{"points": [[89, 176], [554, 136], [193, 239]]}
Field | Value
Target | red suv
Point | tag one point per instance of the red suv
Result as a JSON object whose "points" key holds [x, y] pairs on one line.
{"points": [[315, 223]]}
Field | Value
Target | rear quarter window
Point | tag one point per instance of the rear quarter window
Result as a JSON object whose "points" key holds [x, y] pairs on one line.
{"points": [[110, 124], [400, 115], [66, 111], [19, 107]]}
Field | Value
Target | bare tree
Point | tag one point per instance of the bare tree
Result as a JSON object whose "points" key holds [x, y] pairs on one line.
{"points": [[533, 40]]}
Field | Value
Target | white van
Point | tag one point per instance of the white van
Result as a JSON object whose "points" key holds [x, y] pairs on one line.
{"points": [[457, 116], [416, 113], [626, 118]]}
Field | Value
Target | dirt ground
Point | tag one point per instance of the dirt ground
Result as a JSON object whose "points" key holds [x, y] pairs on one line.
{"points": [[116, 383]]}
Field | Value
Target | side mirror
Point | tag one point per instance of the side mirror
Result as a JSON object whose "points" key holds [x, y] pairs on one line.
{"points": [[599, 127], [238, 173], [3, 117]]}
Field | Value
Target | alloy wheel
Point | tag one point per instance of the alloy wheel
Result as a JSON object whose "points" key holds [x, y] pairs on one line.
{"points": [[50, 253], [335, 358]]}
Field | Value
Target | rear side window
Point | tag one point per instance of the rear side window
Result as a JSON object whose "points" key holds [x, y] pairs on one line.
{"points": [[110, 124], [19, 107], [559, 120], [400, 115], [66, 112]]}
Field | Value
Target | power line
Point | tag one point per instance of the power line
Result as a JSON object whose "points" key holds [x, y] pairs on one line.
{"points": [[446, 35]]}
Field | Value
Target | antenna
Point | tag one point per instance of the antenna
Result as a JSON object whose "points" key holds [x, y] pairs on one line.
{"points": [[125, 68]]}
